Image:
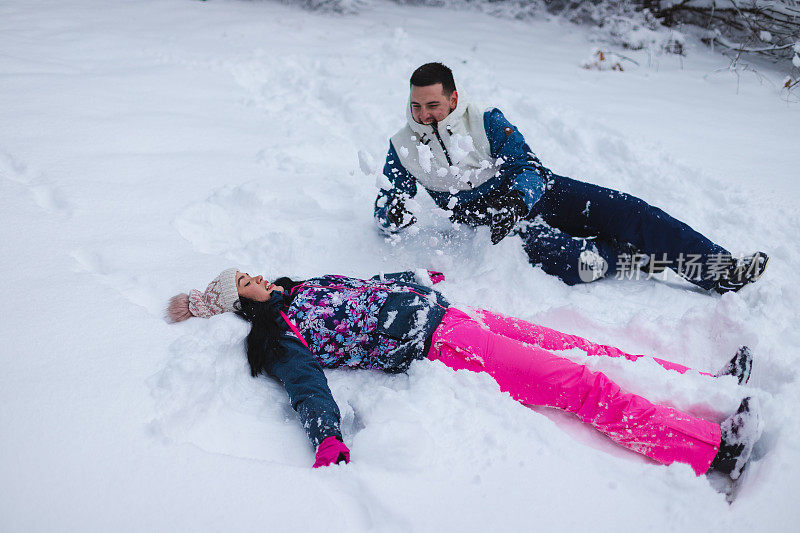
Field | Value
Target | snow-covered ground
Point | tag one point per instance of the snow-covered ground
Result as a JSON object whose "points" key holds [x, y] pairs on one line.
{"points": [[146, 145]]}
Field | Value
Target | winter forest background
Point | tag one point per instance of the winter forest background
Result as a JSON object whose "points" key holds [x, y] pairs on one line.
{"points": [[739, 27], [146, 145]]}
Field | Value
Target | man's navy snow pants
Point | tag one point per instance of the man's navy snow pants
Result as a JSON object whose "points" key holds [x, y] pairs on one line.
{"points": [[573, 216]]}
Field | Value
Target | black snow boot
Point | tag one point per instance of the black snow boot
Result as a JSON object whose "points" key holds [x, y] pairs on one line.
{"points": [[742, 272], [740, 432], [739, 366]]}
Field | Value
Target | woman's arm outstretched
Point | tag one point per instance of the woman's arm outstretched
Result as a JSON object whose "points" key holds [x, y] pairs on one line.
{"points": [[309, 395]]}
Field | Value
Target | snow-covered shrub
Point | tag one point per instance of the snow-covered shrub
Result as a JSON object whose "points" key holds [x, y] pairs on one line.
{"points": [[331, 6], [768, 27], [601, 60], [623, 22]]}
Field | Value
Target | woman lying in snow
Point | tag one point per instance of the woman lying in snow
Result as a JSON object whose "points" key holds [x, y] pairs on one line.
{"points": [[385, 323]]}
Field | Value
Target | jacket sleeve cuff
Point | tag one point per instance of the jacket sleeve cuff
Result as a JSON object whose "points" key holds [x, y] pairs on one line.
{"points": [[530, 186]]}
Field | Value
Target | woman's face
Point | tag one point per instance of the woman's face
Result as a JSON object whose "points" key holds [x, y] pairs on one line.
{"points": [[254, 288]]}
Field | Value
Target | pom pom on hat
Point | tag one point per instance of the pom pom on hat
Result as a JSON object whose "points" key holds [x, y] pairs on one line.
{"points": [[219, 297], [178, 308]]}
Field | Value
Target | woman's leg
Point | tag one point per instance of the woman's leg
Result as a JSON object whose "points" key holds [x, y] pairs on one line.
{"points": [[550, 339], [536, 377]]}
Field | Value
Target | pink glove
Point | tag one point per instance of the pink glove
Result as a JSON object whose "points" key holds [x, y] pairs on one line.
{"points": [[436, 277], [331, 451]]}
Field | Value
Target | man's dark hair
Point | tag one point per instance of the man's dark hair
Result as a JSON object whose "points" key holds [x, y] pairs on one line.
{"points": [[433, 73]]}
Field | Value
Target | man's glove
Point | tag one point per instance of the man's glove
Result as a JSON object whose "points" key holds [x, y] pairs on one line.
{"points": [[506, 210], [331, 451], [398, 215]]}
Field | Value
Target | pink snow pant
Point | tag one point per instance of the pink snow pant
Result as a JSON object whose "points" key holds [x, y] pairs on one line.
{"points": [[513, 352]]}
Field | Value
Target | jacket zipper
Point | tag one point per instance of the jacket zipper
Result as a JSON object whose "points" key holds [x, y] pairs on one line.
{"points": [[441, 142], [447, 155]]}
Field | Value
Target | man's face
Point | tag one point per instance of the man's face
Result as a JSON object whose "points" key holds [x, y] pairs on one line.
{"points": [[430, 104]]}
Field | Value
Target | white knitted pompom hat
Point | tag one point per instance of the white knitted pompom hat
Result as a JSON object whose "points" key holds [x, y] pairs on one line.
{"points": [[219, 297]]}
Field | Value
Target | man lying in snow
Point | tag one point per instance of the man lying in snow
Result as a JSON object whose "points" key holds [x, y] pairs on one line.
{"points": [[475, 164]]}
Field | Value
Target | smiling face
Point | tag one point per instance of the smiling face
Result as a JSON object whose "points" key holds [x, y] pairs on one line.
{"points": [[254, 288], [430, 104]]}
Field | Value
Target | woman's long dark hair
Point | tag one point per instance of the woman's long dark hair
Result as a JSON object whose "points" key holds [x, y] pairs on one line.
{"points": [[267, 325]]}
